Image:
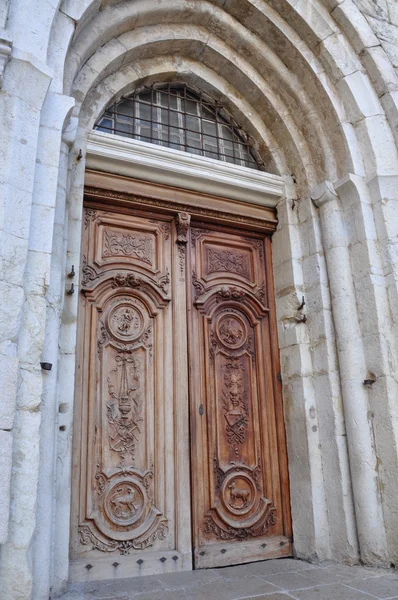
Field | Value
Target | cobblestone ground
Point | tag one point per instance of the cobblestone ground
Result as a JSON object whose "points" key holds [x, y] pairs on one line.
{"points": [[271, 580]]}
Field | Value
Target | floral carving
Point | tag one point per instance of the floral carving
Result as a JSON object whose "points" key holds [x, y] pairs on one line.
{"points": [[259, 244], [234, 402], [102, 338], [124, 547], [219, 473], [100, 479], [90, 215], [241, 533], [213, 344], [165, 227], [124, 412], [159, 534], [147, 339], [195, 233], [226, 260], [126, 244], [181, 254], [229, 533], [256, 473], [88, 272], [147, 481], [260, 294], [198, 286], [163, 282]]}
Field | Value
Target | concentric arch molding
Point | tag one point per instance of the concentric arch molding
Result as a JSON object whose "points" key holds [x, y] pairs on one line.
{"points": [[140, 160]]}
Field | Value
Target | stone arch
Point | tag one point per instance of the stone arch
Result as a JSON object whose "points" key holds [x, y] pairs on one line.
{"points": [[319, 73], [313, 85]]}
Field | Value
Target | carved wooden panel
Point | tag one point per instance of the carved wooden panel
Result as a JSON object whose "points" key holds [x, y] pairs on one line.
{"points": [[238, 452], [124, 494]]}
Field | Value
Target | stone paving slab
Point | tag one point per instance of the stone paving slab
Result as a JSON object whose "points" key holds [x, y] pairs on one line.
{"points": [[283, 579]]}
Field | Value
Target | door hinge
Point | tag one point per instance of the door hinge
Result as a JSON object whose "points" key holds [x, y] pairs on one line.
{"points": [[279, 377]]}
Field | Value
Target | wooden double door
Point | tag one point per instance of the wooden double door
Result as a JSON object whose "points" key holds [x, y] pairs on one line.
{"points": [[179, 447]]}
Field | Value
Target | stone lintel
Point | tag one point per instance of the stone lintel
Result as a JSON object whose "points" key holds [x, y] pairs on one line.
{"points": [[148, 162]]}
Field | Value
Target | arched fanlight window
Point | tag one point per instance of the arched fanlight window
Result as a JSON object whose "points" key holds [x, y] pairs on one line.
{"points": [[175, 116]]}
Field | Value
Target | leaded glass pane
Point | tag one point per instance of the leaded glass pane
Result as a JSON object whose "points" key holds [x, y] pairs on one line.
{"points": [[178, 118]]}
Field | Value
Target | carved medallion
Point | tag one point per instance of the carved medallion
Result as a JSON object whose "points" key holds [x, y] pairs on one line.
{"points": [[239, 493], [240, 510], [127, 244], [126, 323], [228, 260], [231, 331], [124, 503]]}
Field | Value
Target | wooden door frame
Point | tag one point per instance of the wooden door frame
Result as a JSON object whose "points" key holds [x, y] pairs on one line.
{"points": [[105, 190], [119, 193]]}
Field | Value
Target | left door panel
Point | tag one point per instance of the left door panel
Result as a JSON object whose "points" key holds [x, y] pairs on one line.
{"points": [[129, 408]]}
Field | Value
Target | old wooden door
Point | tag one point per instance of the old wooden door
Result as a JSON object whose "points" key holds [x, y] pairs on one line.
{"points": [[165, 308], [130, 482], [239, 472]]}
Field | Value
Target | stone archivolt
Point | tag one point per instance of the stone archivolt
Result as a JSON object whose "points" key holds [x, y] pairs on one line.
{"points": [[313, 83]]}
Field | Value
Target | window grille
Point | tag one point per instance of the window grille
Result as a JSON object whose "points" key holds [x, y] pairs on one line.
{"points": [[176, 117]]}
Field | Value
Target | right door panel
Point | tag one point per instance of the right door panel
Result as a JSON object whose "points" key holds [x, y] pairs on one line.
{"points": [[240, 489]]}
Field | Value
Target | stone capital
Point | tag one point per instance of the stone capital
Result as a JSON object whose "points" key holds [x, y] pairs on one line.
{"points": [[323, 193]]}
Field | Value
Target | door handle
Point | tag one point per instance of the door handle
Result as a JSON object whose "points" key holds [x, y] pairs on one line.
{"points": [[201, 410]]}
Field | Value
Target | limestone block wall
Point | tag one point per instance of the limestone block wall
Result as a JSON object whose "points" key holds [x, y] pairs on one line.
{"points": [[315, 84], [383, 19]]}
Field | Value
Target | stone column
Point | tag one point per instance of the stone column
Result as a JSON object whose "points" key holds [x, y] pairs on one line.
{"points": [[59, 283], [372, 225], [307, 486], [24, 87], [353, 371], [16, 563]]}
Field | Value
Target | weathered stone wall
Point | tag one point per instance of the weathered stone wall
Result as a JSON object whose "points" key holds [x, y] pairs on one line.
{"points": [[315, 84], [382, 16]]}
